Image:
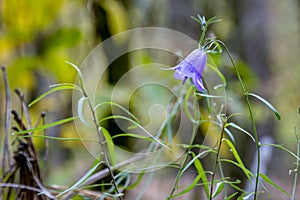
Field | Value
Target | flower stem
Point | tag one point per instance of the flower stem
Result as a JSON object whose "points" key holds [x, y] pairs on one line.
{"points": [[216, 162], [297, 167], [101, 141], [246, 95], [194, 132]]}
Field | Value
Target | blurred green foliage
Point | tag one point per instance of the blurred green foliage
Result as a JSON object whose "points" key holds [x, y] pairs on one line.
{"points": [[37, 37]]}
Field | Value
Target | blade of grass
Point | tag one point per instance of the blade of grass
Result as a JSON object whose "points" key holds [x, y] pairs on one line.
{"points": [[60, 138], [133, 135], [201, 171], [240, 129], [110, 145], [219, 188], [56, 88], [135, 123], [81, 180], [187, 189], [80, 111], [238, 158], [66, 120], [273, 109], [246, 171], [81, 80], [270, 182]]}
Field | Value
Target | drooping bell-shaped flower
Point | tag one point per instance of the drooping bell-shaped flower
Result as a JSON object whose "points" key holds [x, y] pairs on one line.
{"points": [[192, 67]]}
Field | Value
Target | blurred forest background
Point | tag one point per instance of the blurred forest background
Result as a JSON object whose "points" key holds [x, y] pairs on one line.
{"points": [[37, 37]]}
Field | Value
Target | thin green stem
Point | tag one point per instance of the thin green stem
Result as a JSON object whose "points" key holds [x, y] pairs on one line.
{"points": [[216, 162], [297, 167], [194, 132], [246, 95], [204, 29], [101, 141]]}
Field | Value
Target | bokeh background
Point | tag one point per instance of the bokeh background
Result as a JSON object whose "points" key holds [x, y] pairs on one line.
{"points": [[37, 37]]}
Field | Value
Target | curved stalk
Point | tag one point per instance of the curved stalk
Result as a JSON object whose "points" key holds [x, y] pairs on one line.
{"points": [[246, 95], [101, 141], [216, 162]]}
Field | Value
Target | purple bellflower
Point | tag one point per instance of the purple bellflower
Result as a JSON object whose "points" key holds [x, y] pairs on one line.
{"points": [[192, 67]]}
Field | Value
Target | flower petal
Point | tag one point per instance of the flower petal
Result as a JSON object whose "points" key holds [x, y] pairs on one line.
{"points": [[192, 67], [197, 81], [199, 85], [197, 59]]}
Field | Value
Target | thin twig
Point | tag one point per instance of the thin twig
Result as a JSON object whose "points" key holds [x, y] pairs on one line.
{"points": [[101, 141], [25, 108], [6, 150], [31, 148], [37, 180], [20, 186], [46, 147]]}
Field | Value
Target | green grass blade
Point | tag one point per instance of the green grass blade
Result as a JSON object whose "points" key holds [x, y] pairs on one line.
{"points": [[81, 180], [219, 188], [61, 138], [240, 129], [63, 121], [110, 145], [201, 172], [282, 148], [137, 125], [118, 106], [189, 188], [270, 182], [56, 88], [232, 196], [238, 158], [137, 182], [80, 110], [246, 171], [81, 80], [133, 135], [267, 104]]}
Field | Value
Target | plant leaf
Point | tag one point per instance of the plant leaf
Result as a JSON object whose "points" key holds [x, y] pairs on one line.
{"points": [[282, 148], [81, 80], [137, 125], [58, 87], [81, 180], [229, 134], [240, 129], [245, 170], [201, 172], [189, 188], [242, 197], [231, 196], [238, 158], [110, 145], [267, 104], [46, 126], [60, 138], [270, 182], [219, 188], [80, 110], [134, 136]]}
